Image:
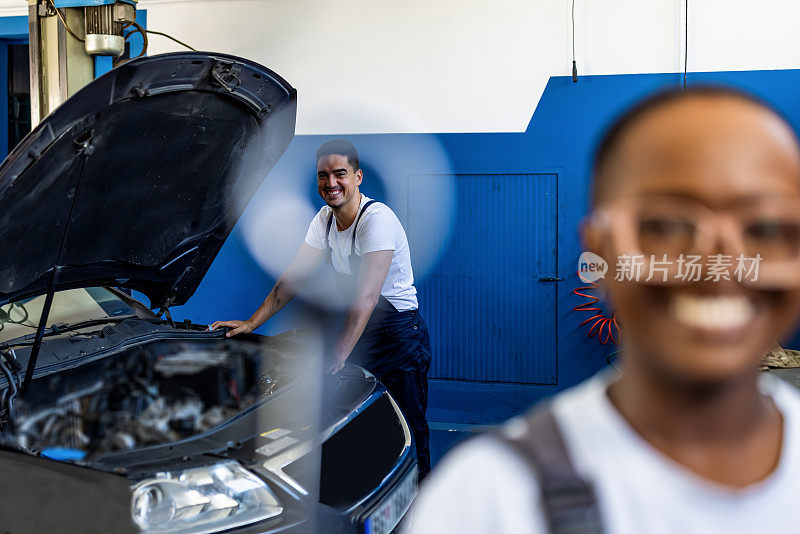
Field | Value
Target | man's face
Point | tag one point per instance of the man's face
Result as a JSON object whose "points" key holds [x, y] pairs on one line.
{"points": [[724, 153], [337, 182]]}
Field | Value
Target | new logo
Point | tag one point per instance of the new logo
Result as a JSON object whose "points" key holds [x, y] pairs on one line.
{"points": [[592, 267]]}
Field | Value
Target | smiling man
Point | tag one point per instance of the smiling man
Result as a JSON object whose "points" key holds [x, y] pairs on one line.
{"points": [[366, 246], [690, 438]]}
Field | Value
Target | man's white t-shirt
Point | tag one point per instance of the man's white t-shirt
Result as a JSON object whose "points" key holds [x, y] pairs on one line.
{"points": [[484, 488], [378, 229]]}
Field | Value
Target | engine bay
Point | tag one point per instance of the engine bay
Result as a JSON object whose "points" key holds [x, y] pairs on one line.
{"points": [[155, 393]]}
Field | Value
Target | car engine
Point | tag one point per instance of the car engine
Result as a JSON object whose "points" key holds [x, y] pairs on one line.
{"points": [[157, 393]]}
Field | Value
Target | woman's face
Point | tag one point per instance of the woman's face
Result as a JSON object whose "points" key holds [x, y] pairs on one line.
{"points": [[723, 153]]}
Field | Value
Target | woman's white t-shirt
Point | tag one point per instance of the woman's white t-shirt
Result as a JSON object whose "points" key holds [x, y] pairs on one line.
{"points": [[484, 488]]}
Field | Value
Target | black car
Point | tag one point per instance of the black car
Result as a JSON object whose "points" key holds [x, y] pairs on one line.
{"points": [[115, 418]]}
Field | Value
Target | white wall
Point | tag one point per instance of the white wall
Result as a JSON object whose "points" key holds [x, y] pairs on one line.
{"points": [[375, 66]]}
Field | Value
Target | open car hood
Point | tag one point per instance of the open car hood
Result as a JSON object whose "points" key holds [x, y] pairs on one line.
{"points": [[137, 179]]}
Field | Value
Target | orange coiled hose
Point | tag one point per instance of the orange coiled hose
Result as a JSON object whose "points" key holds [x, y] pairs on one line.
{"points": [[605, 328]]}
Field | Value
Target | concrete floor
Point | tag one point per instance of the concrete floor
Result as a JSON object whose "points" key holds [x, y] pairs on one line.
{"points": [[445, 436]]}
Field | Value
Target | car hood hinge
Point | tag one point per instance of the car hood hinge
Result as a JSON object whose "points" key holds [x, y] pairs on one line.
{"points": [[164, 310]]}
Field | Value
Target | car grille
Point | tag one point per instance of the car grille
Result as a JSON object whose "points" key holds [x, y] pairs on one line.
{"points": [[357, 458]]}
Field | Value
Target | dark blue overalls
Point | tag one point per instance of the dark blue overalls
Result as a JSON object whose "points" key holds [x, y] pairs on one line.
{"points": [[395, 347]]}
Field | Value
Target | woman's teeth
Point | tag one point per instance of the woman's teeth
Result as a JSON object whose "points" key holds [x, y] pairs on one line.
{"points": [[723, 312]]}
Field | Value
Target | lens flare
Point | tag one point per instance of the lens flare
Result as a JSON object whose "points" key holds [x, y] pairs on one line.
{"points": [[410, 173]]}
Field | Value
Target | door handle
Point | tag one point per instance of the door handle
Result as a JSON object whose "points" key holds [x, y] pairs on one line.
{"points": [[550, 279]]}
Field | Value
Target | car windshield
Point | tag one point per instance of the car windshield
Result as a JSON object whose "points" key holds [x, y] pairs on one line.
{"points": [[69, 306]]}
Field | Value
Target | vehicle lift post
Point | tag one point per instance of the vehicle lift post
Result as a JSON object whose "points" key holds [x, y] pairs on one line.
{"points": [[64, 36]]}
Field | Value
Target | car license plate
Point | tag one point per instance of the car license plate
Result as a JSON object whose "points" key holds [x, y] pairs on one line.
{"points": [[391, 510]]}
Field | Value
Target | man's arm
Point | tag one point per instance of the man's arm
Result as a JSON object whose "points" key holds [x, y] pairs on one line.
{"points": [[287, 286], [371, 276]]}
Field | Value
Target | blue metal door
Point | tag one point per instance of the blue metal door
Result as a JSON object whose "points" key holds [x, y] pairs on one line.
{"points": [[491, 316]]}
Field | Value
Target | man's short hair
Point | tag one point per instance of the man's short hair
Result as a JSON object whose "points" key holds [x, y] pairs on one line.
{"points": [[340, 147], [610, 140]]}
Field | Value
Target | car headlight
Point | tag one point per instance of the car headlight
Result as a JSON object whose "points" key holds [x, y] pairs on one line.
{"points": [[202, 499]]}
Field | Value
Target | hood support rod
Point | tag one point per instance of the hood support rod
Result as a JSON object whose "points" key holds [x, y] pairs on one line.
{"points": [[37, 341], [84, 143]]}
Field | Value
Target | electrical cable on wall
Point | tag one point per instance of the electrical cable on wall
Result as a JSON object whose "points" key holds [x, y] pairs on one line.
{"points": [[171, 37], [139, 29], [574, 63], [605, 328], [685, 41], [64, 22]]}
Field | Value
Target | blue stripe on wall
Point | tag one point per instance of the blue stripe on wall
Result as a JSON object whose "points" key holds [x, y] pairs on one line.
{"points": [[559, 139], [14, 27]]}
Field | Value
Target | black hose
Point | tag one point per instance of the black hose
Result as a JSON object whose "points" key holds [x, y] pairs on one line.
{"points": [[9, 399]]}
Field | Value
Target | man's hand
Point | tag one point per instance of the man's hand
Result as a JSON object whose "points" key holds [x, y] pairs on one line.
{"points": [[293, 278], [236, 327], [334, 363]]}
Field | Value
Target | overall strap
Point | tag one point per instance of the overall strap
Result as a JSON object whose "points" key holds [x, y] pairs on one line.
{"points": [[355, 225], [569, 502], [353, 260], [328, 249]]}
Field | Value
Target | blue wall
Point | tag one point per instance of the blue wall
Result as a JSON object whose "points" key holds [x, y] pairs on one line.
{"points": [[560, 138]]}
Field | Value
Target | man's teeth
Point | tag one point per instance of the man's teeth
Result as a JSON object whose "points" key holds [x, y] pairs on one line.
{"points": [[722, 312]]}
